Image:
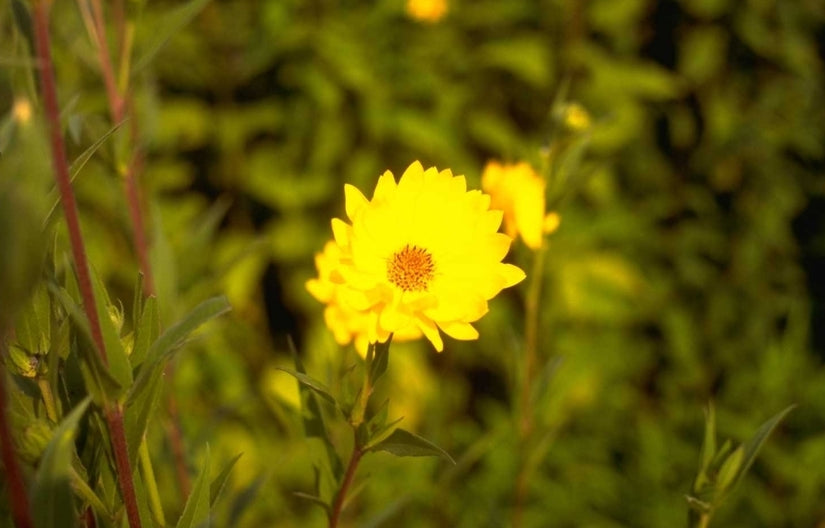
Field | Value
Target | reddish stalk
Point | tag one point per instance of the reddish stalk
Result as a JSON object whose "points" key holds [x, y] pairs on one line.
{"points": [[112, 412], [112, 95], [338, 505], [18, 499]]}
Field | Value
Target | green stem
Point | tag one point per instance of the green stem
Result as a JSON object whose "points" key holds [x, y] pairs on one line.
{"points": [[531, 353], [704, 521], [151, 484], [48, 398]]}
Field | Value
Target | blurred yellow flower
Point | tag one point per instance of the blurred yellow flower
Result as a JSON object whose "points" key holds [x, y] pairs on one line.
{"points": [[576, 117], [22, 111], [424, 254], [427, 10], [346, 323], [519, 191]]}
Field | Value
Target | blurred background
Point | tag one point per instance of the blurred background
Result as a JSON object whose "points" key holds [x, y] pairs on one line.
{"points": [[689, 265]]}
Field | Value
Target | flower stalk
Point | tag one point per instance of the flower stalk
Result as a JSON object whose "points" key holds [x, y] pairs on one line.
{"points": [[113, 412], [528, 375], [349, 475]]}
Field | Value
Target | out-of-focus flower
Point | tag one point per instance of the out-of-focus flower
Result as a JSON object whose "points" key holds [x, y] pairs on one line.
{"points": [[519, 191], [427, 10], [424, 254], [22, 110], [575, 117]]}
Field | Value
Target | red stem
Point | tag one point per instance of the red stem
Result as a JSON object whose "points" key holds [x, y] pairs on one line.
{"points": [[18, 499], [112, 412], [115, 101], [338, 506], [61, 169]]}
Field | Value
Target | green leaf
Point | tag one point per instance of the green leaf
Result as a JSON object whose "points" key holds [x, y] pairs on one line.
{"points": [[311, 383], [755, 443], [174, 337], [729, 470], [146, 331], [708, 449], [382, 434], [314, 420], [52, 501], [405, 443], [140, 407], [197, 508], [119, 365], [99, 382], [378, 360], [318, 501], [77, 165], [219, 483], [171, 24]]}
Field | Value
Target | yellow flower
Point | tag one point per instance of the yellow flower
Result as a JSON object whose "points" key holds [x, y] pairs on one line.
{"points": [[427, 10], [424, 254], [519, 192], [346, 323], [576, 117]]}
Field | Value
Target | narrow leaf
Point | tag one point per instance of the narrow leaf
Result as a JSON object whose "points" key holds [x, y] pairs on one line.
{"points": [[174, 337], [146, 331], [318, 501], [77, 165], [139, 410], [99, 382], [756, 442], [728, 472], [52, 501], [380, 360], [196, 510], [219, 483], [311, 383], [405, 443], [171, 25], [314, 420], [119, 365]]}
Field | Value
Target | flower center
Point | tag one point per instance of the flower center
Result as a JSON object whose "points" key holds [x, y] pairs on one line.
{"points": [[411, 269]]}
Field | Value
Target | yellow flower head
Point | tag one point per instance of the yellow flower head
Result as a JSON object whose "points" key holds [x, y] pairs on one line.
{"points": [[519, 192], [424, 254], [427, 10], [576, 117], [346, 323]]}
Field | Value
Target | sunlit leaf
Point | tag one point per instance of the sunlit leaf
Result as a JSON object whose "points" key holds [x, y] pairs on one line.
{"points": [[404, 443]]}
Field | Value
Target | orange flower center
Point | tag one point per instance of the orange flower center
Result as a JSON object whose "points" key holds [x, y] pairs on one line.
{"points": [[411, 269]]}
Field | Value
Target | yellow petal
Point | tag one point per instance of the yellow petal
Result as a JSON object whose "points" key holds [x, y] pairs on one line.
{"points": [[512, 275], [355, 200], [458, 330], [385, 188], [340, 231], [430, 331]]}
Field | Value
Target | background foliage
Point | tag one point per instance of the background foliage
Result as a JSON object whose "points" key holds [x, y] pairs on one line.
{"points": [[687, 268]]}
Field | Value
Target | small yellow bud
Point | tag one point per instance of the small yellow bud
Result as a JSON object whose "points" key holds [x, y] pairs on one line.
{"points": [[427, 10], [576, 117], [22, 111], [551, 222]]}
